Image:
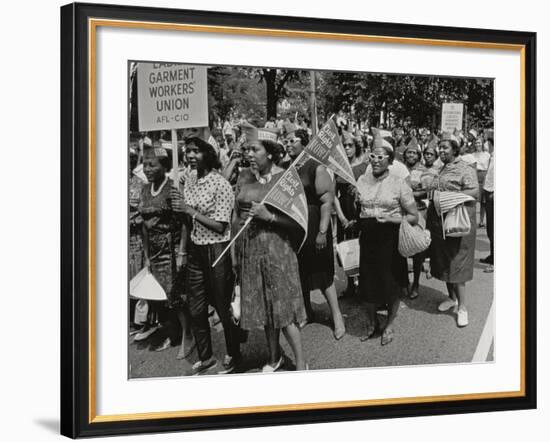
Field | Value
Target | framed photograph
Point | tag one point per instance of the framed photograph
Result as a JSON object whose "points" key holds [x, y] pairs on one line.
{"points": [[273, 220]]}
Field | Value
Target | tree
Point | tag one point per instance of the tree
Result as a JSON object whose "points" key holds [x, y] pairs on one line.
{"points": [[416, 99], [276, 83]]}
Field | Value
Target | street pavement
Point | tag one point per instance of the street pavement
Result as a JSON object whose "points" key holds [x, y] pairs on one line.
{"points": [[422, 335]]}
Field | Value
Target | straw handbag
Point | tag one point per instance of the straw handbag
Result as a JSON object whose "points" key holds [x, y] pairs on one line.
{"points": [[412, 239]]}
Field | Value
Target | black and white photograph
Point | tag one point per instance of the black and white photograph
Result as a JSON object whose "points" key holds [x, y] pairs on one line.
{"points": [[285, 219]]}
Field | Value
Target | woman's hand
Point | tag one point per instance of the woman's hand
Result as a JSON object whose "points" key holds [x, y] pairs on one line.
{"points": [[350, 224], [259, 211], [385, 218], [236, 270], [321, 240], [177, 201]]}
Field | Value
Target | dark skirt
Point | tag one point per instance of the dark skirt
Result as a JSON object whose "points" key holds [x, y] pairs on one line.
{"points": [[316, 267], [452, 259], [381, 268]]}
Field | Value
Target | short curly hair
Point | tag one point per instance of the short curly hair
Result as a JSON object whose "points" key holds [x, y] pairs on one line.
{"points": [[302, 135], [272, 148], [455, 146], [210, 156]]}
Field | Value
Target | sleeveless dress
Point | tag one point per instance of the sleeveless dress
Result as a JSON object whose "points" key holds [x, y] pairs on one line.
{"points": [[271, 293], [316, 267]]}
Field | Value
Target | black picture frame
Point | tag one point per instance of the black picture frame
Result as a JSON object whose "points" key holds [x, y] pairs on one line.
{"points": [[76, 249]]}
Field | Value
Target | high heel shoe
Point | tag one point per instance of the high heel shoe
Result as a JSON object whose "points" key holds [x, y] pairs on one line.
{"points": [[387, 336]]}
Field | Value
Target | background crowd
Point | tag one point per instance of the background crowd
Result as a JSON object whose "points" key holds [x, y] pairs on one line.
{"points": [[178, 230]]}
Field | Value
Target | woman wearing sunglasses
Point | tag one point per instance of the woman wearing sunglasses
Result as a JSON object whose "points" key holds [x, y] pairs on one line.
{"points": [[344, 202], [384, 199], [316, 257]]}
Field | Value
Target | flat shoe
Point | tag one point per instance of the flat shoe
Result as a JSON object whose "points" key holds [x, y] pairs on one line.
{"points": [[200, 366], [144, 335], [271, 368], [370, 333], [165, 345]]}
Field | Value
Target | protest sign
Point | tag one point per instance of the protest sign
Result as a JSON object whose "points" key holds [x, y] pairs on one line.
{"points": [[451, 116], [289, 197], [326, 147], [171, 96]]}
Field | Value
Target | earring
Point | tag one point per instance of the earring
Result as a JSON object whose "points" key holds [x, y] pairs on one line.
{"points": [[269, 157]]}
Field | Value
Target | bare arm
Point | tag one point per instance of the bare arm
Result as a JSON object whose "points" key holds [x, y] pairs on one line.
{"points": [[180, 207], [324, 189], [339, 211]]}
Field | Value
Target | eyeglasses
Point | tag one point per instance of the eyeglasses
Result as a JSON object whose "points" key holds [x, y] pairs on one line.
{"points": [[291, 140], [377, 157], [348, 144]]}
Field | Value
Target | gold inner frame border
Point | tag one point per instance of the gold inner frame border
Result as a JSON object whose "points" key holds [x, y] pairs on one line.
{"points": [[93, 24]]}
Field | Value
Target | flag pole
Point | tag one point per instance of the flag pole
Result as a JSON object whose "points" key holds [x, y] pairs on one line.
{"points": [[175, 158], [313, 104], [249, 219]]}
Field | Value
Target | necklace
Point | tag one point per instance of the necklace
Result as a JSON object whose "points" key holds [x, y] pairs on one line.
{"points": [[156, 193], [263, 179]]}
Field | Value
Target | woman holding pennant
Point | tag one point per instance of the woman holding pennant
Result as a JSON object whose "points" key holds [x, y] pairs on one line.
{"points": [[264, 256], [316, 258]]}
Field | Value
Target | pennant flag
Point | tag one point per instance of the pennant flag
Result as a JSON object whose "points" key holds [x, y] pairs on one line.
{"points": [[326, 147], [380, 133], [145, 286], [288, 196], [445, 201]]}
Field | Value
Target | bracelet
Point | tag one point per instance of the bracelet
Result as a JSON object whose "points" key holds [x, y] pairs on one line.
{"points": [[182, 254], [194, 216], [323, 233]]}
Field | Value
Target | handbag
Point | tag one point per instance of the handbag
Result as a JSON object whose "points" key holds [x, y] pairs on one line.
{"points": [[412, 239], [140, 312], [457, 222], [348, 255], [236, 304]]}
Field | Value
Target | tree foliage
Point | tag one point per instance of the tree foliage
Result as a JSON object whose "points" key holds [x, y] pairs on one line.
{"points": [[405, 98]]}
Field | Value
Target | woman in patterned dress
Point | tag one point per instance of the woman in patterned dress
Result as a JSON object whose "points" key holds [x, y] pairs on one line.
{"points": [[265, 259], [384, 198], [162, 232], [452, 259]]}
